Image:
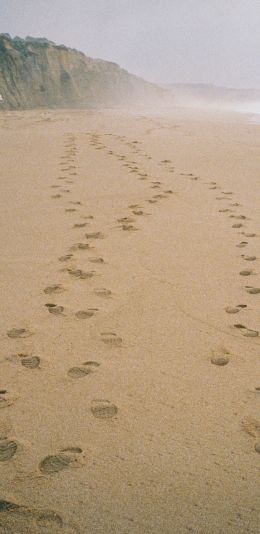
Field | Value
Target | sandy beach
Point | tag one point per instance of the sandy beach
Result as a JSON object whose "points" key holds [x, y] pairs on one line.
{"points": [[130, 289]]}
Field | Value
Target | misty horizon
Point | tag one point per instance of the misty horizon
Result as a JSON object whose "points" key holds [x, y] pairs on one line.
{"points": [[165, 42]]}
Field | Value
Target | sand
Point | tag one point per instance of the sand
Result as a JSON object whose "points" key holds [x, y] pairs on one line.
{"points": [[129, 335]]}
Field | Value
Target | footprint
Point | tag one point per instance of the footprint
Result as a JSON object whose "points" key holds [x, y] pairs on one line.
{"points": [[224, 210], [6, 401], [138, 212], [56, 196], [8, 449], [55, 288], [249, 234], [246, 332], [103, 409], [252, 427], [82, 275], [126, 220], [31, 362], [102, 292], [80, 246], [249, 258], [95, 235], [66, 257], [19, 333], [86, 314], [109, 338], [70, 210], [54, 309], [79, 372], [128, 228], [55, 463], [253, 290], [220, 360], [96, 260], [229, 309], [242, 244], [237, 225], [246, 272], [80, 225]]}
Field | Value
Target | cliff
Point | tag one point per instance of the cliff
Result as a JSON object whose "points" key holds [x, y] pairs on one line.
{"points": [[37, 73]]}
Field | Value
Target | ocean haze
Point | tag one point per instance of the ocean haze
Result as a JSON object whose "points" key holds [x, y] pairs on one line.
{"points": [[164, 41]]}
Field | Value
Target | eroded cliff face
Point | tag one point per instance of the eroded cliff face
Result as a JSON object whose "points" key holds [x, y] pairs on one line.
{"points": [[36, 73]]}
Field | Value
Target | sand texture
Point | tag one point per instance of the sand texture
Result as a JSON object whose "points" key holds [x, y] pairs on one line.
{"points": [[130, 345]]}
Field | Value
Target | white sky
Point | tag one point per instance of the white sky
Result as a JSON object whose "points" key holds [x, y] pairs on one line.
{"points": [[169, 41]]}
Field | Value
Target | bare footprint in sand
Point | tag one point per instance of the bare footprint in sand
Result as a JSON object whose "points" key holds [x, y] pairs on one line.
{"points": [[55, 463], [112, 339], [246, 272], [252, 427], [19, 333], [246, 332], [80, 225], [225, 210], [237, 225], [55, 288], [252, 290], [95, 235], [102, 292], [70, 210], [96, 260], [103, 409], [126, 220], [54, 308], [6, 400], [8, 448], [82, 275], [249, 234], [249, 258], [66, 257], [242, 244], [80, 246], [139, 212], [230, 309], [31, 362], [220, 359], [129, 228], [85, 369], [86, 314], [160, 196]]}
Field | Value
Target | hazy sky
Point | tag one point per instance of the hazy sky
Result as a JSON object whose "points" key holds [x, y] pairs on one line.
{"points": [[208, 41]]}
